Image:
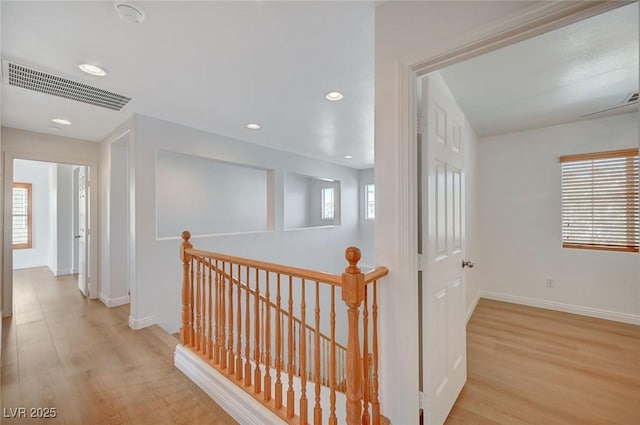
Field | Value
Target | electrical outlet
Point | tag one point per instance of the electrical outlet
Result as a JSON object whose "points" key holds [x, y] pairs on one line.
{"points": [[549, 282]]}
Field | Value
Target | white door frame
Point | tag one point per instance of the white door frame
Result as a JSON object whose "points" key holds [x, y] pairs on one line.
{"points": [[530, 23], [7, 253]]}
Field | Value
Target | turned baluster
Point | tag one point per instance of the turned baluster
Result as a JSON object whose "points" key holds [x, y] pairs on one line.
{"points": [[186, 329], [230, 357], [353, 295], [247, 339], [210, 298], [278, 387], [332, 360], [267, 341], [317, 410], [290, 345], [198, 305], [239, 323], [303, 355], [365, 360], [257, 381], [375, 403]]}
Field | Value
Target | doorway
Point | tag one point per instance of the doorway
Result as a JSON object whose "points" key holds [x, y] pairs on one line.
{"points": [[55, 212], [435, 125]]}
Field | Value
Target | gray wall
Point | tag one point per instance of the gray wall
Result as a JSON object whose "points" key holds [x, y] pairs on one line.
{"points": [[366, 227], [158, 272], [209, 197], [296, 201]]}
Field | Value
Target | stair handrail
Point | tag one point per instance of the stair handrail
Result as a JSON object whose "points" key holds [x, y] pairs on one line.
{"points": [[360, 365]]}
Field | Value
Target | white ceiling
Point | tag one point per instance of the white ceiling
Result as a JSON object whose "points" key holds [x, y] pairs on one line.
{"points": [[214, 66], [217, 66], [554, 78]]}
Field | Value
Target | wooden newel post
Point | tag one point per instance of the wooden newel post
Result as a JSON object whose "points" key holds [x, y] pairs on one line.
{"points": [[353, 295], [186, 329]]}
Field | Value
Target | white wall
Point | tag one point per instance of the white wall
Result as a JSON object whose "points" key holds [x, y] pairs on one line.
{"points": [[158, 272], [36, 173], [63, 220], [118, 226], [53, 217], [520, 212], [210, 197], [367, 227], [296, 201]]}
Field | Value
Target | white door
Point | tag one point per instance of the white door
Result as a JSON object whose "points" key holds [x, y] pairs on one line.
{"points": [[84, 234], [442, 216]]}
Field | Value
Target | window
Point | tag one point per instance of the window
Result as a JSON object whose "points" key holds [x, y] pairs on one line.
{"points": [[600, 200], [370, 201], [21, 215], [327, 203]]}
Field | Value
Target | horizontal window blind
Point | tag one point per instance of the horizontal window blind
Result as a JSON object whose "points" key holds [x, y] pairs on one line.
{"points": [[600, 200], [21, 215]]}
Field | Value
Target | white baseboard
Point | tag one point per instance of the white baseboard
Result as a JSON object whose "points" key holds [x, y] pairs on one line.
{"points": [[137, 324], [234, 400], [59, 272], [113, 302], [472, 307], [567, 308]]}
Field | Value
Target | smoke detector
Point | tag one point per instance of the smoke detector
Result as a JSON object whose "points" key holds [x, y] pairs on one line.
{"points": [[129, 13]]}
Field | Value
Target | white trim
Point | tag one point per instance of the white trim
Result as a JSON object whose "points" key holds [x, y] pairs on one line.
{"points": [[472, 307], [114, 302], [234, 400], [633, 319], [137, 324], [63, 272]]}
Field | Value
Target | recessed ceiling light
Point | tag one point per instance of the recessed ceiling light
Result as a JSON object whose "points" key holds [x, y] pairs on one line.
{"points": [[53, 128], [348, 157], [92, 69], [129, 13], [253, 126], [61, 121], [333, 96]]}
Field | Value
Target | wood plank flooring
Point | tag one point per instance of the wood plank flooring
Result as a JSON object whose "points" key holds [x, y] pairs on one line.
{"points": [[530, 366], [64, 351]]}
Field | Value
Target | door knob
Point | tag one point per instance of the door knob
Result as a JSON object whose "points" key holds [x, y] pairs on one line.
{"points": [[77, 237], [467, 263]]}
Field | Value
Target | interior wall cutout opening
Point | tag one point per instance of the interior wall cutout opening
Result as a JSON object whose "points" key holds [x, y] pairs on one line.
{"points": [[370, 201], [310, 201], [209, 197]]}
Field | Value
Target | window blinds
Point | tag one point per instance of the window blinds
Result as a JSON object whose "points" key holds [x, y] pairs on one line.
{"points": [[21, 215], [600, 200]]}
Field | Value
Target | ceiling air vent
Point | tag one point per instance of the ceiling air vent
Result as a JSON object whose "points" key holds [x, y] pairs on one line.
{"points": [[32, 79], [633, 97]]}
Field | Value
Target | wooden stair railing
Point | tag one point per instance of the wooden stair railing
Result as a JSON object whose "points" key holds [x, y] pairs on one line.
{"points": [[230, 320], [325, 342]]}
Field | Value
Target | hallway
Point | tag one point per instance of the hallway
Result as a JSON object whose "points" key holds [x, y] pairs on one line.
{"points": [[63, 351]]}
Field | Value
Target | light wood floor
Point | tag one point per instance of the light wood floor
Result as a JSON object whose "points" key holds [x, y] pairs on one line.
{"points": [[61, 350], [540, 367]]}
